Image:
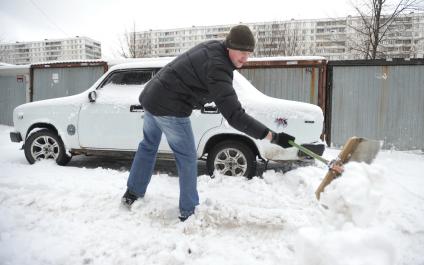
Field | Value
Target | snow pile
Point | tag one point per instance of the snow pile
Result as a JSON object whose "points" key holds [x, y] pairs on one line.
{"points": [[356, 196], [350, 234], [71, 215], [349, 245]]}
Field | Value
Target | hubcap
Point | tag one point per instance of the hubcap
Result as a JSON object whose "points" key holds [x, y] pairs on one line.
{"points": [[231, 162], [44, 147]]}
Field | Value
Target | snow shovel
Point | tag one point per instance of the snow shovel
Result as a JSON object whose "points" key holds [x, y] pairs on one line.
{"points": [[355, 149]]}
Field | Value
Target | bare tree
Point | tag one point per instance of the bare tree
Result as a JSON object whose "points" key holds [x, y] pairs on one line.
{"points": [[376, 20], [278, 39], [144, 45], [290, 44], [135, 44], [127, 49], [3, 53]]}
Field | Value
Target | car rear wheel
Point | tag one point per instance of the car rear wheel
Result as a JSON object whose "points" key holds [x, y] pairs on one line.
{"points": [[231, 158], [45, 144]]}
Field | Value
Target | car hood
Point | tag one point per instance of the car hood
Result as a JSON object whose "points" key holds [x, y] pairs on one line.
{"points": [[69, 100]]}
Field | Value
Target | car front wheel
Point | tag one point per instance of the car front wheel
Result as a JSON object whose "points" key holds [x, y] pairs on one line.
{"points": [[45, 144], [231, 158]]}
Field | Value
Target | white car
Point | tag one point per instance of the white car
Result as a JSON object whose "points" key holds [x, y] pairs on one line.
{"points": [[108, 119]]}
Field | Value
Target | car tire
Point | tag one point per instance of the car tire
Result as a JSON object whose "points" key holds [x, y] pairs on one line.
{"points": [[231, 158], [45, 144]]}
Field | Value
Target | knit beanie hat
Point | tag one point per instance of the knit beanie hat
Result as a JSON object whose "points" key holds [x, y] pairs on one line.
{"points": [[240, 38]]}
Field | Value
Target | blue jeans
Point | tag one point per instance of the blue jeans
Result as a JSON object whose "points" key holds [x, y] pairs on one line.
{"points": [[180, 138]]}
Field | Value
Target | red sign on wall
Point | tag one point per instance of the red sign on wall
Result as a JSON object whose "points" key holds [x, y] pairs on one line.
{"points": [[20, 78]]}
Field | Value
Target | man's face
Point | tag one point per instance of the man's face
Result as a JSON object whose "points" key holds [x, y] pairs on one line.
{"points": [[238, 58]]}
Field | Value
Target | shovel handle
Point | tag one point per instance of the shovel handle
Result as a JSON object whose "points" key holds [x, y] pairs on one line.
{"points": [[309, 152]]}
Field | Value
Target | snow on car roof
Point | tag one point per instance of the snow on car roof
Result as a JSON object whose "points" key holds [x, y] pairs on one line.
{"points": [[142, 63]]}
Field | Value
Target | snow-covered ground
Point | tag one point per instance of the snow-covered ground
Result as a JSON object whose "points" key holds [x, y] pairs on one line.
{"points": [[72, 215]]}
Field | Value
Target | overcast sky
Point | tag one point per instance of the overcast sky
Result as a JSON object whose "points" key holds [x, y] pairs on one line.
{"points": [[106, 20]]}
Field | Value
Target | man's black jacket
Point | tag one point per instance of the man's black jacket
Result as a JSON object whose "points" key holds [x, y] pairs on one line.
{"points": [[200, 75]]}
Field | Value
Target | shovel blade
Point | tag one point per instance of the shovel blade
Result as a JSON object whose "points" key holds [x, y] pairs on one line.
{"points": [[356, 149], [365, 151]]}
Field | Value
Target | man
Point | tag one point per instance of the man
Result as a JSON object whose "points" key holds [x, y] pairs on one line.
{"points": [[202, 74]]}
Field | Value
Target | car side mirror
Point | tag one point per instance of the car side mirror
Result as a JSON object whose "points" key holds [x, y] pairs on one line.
{"points": [[92, 96]]}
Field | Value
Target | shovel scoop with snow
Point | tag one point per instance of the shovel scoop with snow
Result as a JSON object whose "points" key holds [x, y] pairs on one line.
{"points": [[355, 149]]}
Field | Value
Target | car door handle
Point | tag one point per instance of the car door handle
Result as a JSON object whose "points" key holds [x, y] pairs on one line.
{"points": [[210, 110], [136, 108]]}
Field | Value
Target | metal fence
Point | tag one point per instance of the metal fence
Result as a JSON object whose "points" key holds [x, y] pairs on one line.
{"points": [[297, 84], [300, 79], [59, 80], [13, 91], [377, 99]]}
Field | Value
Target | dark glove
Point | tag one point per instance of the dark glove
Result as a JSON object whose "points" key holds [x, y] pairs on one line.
{"points": [[282, 139]]}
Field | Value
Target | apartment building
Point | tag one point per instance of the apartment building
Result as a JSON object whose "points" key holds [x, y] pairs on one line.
{"points": [[333, 38], [50, 50]]}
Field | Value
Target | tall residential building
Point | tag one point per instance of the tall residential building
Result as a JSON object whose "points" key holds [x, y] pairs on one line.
{"points": [[50, 50], [333, 38]]}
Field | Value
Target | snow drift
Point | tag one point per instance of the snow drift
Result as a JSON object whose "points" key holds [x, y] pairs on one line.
{"points": [[71, 215]]}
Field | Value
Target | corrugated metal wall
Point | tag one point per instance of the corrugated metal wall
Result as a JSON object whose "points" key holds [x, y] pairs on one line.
{"points": [[60, 82], [300, 84], [12, 94], [380, 102]]}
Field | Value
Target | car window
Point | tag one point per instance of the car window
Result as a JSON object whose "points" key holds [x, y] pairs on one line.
{"points": [[129, 78], [123, 87]]}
